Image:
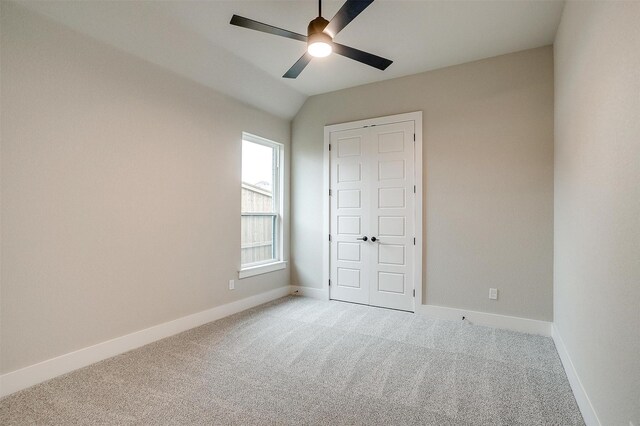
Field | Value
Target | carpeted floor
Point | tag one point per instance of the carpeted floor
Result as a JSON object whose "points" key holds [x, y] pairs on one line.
{"points": [[303, 361]]}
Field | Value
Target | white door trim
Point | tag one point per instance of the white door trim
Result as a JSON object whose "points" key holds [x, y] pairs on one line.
{"points": [[416, 117]]}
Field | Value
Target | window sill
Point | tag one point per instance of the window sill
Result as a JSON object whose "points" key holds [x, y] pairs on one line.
{"points": [[262, 269]]}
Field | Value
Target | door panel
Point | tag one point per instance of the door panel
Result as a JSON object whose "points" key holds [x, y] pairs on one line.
{"points": [[391, 197], [349, 172], [349, 225], [348, 277], [372, 180], [350, 147], [349, 217], [349, 252], [391, 283], [349, 198], [390, 254], [391, 226], [392, 216], [391, 169]]}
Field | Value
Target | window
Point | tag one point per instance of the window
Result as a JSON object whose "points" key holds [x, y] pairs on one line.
{"points": [[262, 201]]}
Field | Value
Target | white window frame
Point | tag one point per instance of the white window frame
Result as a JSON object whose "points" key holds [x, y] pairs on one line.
{"points": [[278, 202]]}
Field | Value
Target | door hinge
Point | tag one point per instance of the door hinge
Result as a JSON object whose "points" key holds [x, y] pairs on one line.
{"points": [[329, 282], [414, 137], [329, 147], [414, 241], [414, 189], [414, 292], [329, 193], [329, 237]]}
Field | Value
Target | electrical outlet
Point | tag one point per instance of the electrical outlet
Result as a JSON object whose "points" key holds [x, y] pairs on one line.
{"points": [[232, 284], [493, 293]]}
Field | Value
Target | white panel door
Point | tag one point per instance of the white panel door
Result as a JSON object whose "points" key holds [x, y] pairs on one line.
{"points": [[349, 217], [392, 209], [372, 215]]}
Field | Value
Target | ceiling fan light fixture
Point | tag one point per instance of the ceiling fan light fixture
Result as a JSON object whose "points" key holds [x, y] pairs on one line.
{"points": [[319, 38], [319, 45]]}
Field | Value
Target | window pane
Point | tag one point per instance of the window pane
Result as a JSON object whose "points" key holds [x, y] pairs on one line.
{"points": [[259, 222], [257, 239], [257, 178]]}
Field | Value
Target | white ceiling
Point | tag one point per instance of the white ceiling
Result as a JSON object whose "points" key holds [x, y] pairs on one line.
{"points": [[195, 39]]}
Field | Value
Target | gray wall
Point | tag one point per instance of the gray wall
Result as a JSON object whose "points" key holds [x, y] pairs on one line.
{"points": [[488, 168], [120, 192], [597, 202]]}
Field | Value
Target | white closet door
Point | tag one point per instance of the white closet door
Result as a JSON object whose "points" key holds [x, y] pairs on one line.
{"points": [[392, 216], [372, 184], [349, 216]]}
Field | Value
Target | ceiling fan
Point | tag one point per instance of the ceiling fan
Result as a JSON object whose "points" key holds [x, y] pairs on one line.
{"points": [[319, 38]]}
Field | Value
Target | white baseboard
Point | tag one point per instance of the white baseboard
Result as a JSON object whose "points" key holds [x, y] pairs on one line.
{"points": [[586, 408], [523, 325], [45, 370], [315, 293]]}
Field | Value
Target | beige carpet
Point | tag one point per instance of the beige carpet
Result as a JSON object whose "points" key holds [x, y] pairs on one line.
{"points": [[303, 361]]}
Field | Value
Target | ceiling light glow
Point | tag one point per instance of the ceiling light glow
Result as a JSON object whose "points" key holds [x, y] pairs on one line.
{"points": [[319, 49], [319, 45]]}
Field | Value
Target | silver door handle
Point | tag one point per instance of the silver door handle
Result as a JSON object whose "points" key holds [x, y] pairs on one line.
{"points": [[374, 239], [363, 238]]}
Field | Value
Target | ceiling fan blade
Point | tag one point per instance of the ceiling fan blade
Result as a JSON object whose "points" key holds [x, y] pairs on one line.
{"points": [[241, 21], [297, 68], [346, 14], [360, 56]]}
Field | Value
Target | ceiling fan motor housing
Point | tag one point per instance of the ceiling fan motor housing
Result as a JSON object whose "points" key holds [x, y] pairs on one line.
{"points": [[317, 26]]}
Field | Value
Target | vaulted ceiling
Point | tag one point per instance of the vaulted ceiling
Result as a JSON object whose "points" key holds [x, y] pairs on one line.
{"points": [[194, 39]]}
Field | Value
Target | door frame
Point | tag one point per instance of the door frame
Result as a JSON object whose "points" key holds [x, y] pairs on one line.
{"points": [[416, 117]]}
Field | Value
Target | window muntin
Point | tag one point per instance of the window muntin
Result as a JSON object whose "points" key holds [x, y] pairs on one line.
{"points": [[261, 219]]}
